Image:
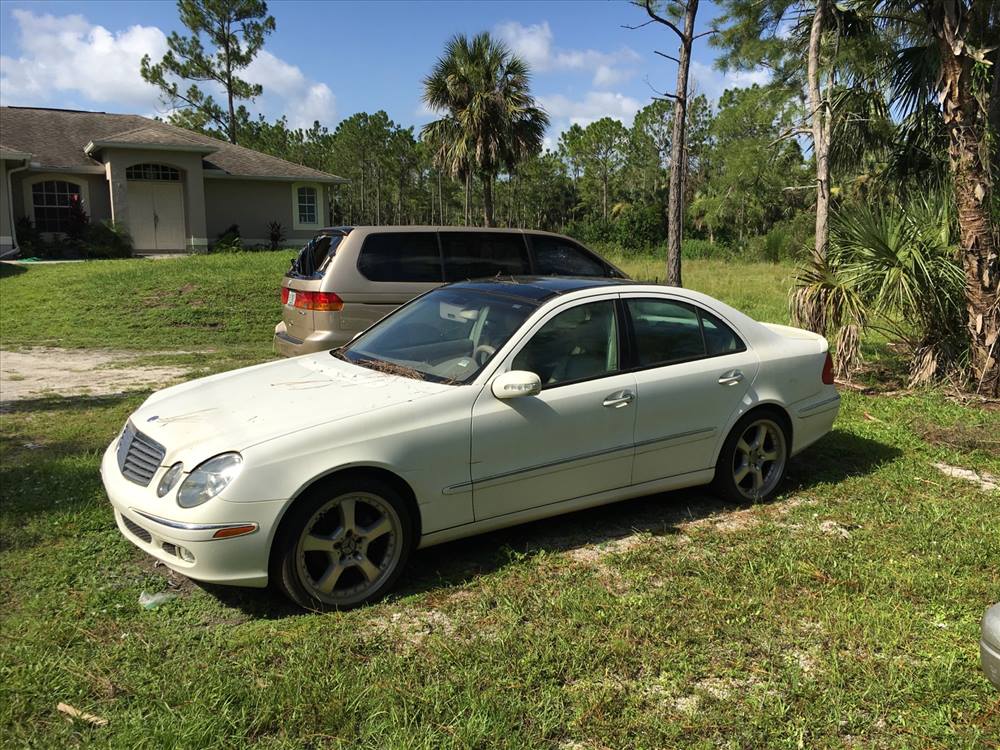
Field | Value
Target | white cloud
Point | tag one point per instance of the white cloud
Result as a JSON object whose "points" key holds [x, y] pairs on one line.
{"points": [[593, 106], [65, 55], [288, 92], [67, 61], [711, 82], [535, 44]]}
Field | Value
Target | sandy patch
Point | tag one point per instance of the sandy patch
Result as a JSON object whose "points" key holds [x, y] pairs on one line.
{"points": [[43, 371], [986, 481], [409, 627]]}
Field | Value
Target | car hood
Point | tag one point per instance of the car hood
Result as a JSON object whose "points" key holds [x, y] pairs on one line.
{"points": [[235, 410]]}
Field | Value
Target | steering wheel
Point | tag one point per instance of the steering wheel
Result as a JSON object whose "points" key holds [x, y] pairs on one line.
{"points": [[484, 349]]}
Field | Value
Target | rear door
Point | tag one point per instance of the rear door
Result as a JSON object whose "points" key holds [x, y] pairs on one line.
{"points": [[305, 277], [692, 370]]}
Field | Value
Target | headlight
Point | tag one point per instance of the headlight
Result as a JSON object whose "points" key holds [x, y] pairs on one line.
{"points": [[209, 479], [169, 479]]}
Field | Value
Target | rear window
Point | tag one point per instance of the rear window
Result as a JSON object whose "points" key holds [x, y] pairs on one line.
{"points": [[557, 257], [401, 256], [311, 258], [479, 255]]}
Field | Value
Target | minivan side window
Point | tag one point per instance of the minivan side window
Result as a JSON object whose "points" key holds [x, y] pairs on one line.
{"points": [[401, 256], [557, 257], [479, 255]]}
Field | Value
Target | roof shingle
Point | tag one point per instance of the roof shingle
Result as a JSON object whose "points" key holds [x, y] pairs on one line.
{"points": [[57, 138]]}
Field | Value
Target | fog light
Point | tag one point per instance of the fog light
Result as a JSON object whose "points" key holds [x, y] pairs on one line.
{"points": [[185, 554]]}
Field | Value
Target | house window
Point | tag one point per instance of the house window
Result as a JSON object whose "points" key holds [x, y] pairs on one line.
{"points": [[308, 205], [158, 172], [51, 202]]}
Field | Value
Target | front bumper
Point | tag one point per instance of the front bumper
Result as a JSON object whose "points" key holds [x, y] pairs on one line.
{"points": [[318, 341], [183, 539]]}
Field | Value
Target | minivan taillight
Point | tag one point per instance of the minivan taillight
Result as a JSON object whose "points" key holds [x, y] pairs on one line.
{"points": [[284, 295], [828, 370], [322, 301]]}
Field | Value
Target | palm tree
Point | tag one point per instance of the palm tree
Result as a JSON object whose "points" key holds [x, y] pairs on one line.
{"points": [[491, 122], [942, 59]]}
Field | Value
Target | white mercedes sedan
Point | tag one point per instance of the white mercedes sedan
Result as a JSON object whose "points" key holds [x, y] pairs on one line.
{"points": [[479, 405]]}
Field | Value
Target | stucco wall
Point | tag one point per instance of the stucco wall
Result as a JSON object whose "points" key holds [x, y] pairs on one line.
{"points": [[6, 235], [252, 205]]}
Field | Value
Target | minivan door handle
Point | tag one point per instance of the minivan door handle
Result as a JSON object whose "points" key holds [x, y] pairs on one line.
{"points": [[730, 378], [618, 400]]}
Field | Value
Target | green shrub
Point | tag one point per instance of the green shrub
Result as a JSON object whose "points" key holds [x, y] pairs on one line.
{"points": [[106, 240], [638, 227], [705, 250], [228, 241]]}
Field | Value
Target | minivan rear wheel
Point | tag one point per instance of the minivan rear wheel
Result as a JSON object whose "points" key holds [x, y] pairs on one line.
{"points": [[344, 544]]}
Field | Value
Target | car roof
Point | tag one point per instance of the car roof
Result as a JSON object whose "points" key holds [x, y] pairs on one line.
{"points": [[538, 288]]}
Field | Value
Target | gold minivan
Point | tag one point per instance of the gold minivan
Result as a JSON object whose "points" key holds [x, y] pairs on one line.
{"points": [[347, 278]]}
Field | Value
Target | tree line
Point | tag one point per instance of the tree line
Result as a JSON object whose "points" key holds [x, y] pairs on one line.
{"points": [[872, 109]]}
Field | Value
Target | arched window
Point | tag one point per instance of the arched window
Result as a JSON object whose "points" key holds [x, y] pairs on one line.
{"points": [[157, 172], [52, 202]]}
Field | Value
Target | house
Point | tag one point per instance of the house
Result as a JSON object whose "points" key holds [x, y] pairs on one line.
{"points": [[174, 190]]}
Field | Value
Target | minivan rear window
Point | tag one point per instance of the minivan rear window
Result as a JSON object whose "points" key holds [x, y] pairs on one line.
{"points": [[401, 256], [480, 255], [315, 253]]}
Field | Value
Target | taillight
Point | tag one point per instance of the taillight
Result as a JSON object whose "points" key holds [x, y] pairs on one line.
{"points": [[322, 301], [828, 370], [284, 295]]}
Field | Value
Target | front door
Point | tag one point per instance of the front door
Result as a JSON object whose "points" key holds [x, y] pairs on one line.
{"points": [[156, 215], [575, 437], [692, 371]]}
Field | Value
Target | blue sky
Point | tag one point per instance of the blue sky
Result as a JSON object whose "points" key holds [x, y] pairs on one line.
{"points": [[328, 60]]}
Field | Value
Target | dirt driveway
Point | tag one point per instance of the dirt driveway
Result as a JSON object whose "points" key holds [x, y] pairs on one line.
{"points": [[41, 371]]}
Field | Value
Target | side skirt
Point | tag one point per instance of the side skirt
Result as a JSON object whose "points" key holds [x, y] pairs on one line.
{"points": [[691, 479]]}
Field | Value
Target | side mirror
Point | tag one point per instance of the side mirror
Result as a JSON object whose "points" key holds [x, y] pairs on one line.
{"points": [[516, 383]]}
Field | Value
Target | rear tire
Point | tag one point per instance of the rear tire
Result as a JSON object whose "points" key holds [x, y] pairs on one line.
{"points": [[754, 458], [343, 544]]}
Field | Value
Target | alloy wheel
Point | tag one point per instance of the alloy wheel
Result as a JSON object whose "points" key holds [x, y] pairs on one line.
{"points": [[759, 459], [348, 548]]}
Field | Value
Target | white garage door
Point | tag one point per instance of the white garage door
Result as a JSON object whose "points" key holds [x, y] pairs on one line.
{"points": [[156, 215]]}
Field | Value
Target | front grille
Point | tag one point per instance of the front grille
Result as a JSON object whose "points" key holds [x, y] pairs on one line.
{"points": [[139, 456], [136, 529]]}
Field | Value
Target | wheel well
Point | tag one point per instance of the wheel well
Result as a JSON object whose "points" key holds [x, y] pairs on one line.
{"points": [[393, 480]]}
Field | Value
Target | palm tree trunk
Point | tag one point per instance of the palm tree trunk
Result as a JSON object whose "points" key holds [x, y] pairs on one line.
{"points": [[970, 175], [488, 200], [820, 118], [468, 198], [678, 150]]}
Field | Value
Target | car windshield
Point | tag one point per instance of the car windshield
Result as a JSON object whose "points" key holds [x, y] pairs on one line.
{"points": [[445, 336]]}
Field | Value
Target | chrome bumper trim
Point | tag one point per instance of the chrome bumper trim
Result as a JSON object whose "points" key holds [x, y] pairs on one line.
{"points": [[188, 526]]}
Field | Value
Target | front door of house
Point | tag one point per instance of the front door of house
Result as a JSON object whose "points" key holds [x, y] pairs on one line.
{"points": [[156, 209]]}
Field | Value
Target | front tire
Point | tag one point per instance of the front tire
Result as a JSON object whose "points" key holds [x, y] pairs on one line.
{"points": [[753, 459], [343, 544]]}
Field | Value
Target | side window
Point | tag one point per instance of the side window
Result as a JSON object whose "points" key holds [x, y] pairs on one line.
{"points": [[557, 257], [719, 338], [577, 344], [479, 255], [665, 331], [401, 256]]}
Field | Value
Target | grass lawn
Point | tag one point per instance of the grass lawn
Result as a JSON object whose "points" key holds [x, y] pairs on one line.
{"points": [[843, 614]]}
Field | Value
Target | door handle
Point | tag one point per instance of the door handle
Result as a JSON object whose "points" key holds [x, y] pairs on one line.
{"points": [[618, 400], [730, 378]]}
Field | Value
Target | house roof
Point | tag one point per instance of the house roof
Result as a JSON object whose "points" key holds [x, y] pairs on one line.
{"points": [[73, 139]]}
